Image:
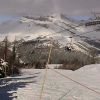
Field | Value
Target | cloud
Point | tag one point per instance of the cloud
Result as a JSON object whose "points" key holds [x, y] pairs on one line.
{"points": [[43, 7]]}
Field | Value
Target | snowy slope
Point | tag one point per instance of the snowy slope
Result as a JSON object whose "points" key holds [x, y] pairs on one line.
{"points": [[28, 85]]}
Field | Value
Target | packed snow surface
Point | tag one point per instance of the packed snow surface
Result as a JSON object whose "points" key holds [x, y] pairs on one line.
{"points": [[28, 85]]}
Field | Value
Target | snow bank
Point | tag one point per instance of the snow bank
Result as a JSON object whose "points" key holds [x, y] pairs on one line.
{"points": [[94, 68], [53, 66]]}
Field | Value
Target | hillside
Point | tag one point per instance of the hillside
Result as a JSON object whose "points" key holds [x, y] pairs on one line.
{"points": [[36, 34]]}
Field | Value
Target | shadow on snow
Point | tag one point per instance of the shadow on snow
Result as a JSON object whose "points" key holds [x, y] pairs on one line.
{"points": [[7, 91]]}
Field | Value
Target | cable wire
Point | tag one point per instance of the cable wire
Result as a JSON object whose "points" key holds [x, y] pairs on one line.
{"points": [[75, 81]]}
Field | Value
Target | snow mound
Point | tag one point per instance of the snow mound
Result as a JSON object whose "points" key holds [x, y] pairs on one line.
{"points": [[90, 68]]}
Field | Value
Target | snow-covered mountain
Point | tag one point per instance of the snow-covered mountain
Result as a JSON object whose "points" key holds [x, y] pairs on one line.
{"points": [[59, 28]]}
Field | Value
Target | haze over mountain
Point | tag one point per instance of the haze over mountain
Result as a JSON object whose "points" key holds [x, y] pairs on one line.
{"points": [[30, 19], [57, 27]]}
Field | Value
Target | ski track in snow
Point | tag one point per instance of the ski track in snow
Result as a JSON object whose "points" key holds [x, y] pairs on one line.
{"points": [[27, 86]]}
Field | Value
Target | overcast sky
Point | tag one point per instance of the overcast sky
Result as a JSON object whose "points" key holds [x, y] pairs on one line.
{"points": [[44, 7]]}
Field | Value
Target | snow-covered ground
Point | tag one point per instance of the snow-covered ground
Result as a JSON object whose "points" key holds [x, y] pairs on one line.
{"points": [[28, 85]]}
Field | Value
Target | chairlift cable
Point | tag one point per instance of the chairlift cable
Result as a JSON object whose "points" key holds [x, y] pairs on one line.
{"points": [[65, 76]]}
